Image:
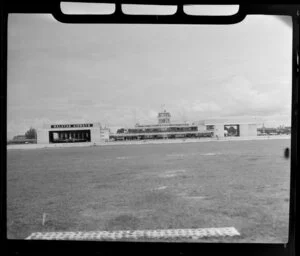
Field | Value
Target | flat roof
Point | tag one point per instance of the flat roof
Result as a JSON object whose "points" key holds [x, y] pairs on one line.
{"points": [[229, 123]]}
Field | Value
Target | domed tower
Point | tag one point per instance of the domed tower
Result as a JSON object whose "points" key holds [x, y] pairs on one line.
{"points": [[164, 117]]}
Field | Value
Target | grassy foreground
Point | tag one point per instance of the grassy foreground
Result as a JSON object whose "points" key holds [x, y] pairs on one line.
{"points": [[244, 184]]}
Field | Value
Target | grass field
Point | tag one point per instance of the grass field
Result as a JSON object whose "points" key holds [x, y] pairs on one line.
{"points": [[241, 184]]}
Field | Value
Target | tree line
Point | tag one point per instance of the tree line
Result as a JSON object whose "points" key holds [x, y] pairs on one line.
{"points": [[31, 134]]}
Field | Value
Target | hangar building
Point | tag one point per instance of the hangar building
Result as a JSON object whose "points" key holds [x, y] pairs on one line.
{"points": [[229, 128], [71, 133]]}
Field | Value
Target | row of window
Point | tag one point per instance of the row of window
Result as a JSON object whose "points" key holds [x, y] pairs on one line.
{"points": [[155, 130], [169, 136]]}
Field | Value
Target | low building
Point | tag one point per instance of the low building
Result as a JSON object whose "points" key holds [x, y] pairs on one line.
{"points": [[231, 127], [274, 131], [164, 129], [19, 138], [72, 133]]}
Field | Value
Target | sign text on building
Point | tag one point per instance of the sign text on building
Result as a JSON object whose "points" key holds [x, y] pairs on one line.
{"points": [[71, 125]]}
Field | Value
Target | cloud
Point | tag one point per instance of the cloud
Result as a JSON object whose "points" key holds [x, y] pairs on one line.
{"points": [[205, 107], [238, 96]]}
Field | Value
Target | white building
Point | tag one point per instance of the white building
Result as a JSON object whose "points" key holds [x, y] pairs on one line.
{"points": [[72, 133], [229, 127]]}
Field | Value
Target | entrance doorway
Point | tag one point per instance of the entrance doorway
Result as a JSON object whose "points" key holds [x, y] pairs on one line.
{"points": [[71, 136], [231, 130]]}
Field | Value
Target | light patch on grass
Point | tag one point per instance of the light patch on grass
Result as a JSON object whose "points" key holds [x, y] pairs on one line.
{"points": [[193, 154], [171, 173], [195, 197], [124, 157], [210, 154], [161, 188], [176, 155]]}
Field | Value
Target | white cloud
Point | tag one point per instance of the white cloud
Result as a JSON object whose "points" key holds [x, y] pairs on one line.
{"points": [[205, 107], [239, 97]]}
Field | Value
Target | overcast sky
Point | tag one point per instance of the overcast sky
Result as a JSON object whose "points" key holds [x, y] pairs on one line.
{"points": [[121, 74]]}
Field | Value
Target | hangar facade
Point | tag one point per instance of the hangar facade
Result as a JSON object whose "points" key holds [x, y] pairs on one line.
{"points": [[72, 133], [230, 128]]}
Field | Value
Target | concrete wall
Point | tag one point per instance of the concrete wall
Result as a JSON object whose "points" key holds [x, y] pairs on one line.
{"points": [[43, 136], [95, 135], [201, 127], [252, 130], [104, 135], [219, 130], [243, 130], [248, 130]]}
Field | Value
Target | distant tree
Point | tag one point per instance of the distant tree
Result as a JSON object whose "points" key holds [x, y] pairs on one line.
{"points": [[232, 130], [31, 133]]}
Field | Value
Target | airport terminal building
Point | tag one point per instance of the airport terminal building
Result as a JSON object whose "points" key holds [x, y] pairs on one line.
{"points": [[94, 133], [72, 133], [165, 129]]}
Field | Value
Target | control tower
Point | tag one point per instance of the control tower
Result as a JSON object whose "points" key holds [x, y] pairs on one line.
{"points": [[164, 117]]}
